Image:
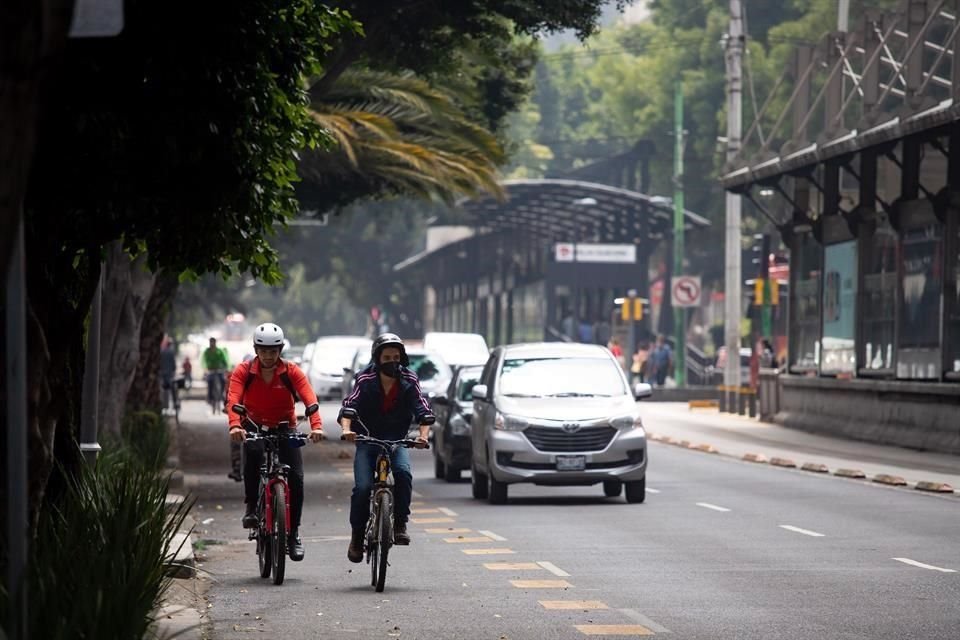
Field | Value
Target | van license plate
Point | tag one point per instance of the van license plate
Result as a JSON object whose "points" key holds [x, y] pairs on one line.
{"points": [[571, 463]]}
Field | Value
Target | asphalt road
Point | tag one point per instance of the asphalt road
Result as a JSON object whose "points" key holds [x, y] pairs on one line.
{"points": [[720, 549]]}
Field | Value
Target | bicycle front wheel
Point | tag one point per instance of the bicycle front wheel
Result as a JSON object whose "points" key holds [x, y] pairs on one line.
{"points": [[385, 535], [278, 542]]}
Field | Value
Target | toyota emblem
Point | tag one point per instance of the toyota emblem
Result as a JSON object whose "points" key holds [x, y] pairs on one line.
{"points": [[571, 427]]}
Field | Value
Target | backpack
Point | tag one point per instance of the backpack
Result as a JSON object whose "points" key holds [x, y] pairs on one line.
{"points": [[284, 378]]}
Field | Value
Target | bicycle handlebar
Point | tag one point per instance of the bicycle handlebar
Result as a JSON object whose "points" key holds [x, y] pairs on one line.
{"points": [[409, 443]]}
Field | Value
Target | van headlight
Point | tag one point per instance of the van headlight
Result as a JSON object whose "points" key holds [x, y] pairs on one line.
{"points": [[509, 423], [627, 422], [459, 426]]}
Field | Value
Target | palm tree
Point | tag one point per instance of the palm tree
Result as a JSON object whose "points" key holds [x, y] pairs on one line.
{"points": [[397, 135]]}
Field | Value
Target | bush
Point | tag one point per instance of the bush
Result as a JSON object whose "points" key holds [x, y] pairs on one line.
{"points": [[144, 434], [98, 568]]}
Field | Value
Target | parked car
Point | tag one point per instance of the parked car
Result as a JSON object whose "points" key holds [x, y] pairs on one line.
{"points": [[557, 414], [458, 349], [330, 355], [451, 431]]}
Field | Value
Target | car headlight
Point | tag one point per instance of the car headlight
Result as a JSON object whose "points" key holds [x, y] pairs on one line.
{"points": [[627, 422], [459, 426], [509, 423]]}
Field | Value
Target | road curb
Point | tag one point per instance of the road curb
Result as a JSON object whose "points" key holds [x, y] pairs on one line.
{"points": [[885, 478], [755, 457], [856, 474], [815, 467], [706, 448], [935, 487], [783, 462]]}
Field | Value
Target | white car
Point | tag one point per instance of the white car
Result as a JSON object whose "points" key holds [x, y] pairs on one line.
{"points": [[330, 355], [457, 349]]}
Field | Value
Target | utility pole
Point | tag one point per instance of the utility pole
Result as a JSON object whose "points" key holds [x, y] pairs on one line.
{"points": [[679, 313], [732, 301]]}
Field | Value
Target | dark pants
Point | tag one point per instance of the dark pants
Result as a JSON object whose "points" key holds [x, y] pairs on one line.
{"points": [[253, 458], [364, 464]]}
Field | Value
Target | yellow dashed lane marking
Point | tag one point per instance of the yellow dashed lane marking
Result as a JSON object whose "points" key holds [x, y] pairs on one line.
{"points": [[541, 584], [417, 503], [573, 604], [487, 552], [430, 520], [425, 511], [462, 540], [512, 566], [613, 630], [446, 530]]}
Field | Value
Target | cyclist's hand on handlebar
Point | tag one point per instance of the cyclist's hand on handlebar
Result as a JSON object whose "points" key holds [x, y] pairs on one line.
{"points": [[316, 435], [421, 443], [348, 435], [237, 434]]}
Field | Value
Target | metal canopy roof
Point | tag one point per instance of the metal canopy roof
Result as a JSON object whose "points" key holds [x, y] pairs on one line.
{"points": [[556, 210], [574, 210]]}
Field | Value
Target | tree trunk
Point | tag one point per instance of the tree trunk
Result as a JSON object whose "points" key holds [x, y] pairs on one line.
{"points": [[127, 289], [145, 391]]}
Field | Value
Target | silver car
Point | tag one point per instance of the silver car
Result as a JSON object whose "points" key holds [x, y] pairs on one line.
{"points": [[557, 414], [330, 355]]}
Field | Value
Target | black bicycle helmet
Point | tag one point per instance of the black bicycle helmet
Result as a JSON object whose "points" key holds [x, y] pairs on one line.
{"points": [[385, 340]]}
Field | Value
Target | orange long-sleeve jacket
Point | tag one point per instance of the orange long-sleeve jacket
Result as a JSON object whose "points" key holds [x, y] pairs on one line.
{"points": [[268, 404]]}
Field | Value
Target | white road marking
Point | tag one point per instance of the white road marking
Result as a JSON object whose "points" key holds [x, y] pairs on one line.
{"points": [[554, 569], [653, 490], [707, 505], [416, 494], [449, 512], [492, 535], [923, 566], [636, 616], [805, 532]]}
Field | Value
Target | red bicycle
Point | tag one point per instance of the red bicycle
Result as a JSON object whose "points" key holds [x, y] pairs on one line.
{"points": [[273, 502]]}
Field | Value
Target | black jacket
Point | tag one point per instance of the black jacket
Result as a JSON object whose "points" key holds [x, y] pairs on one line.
{"points": [[367, 401]]}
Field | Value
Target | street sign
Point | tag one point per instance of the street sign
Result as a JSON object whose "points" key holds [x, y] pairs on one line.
{"points": [[685, 291], [595, 252]]}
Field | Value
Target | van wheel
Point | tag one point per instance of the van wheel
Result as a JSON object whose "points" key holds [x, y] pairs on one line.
{"points": [[478, 483], [498, 491], [439, 469], [636, 491], [612, 488]]}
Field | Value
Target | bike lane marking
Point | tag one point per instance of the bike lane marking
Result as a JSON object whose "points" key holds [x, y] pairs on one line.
{"points": [[914, 563], [707, 505], [613, 630], [431, 520], [487, 552], [446, 530], [512, 566], [449, 512], [541, 584], [552, 568], [465, 540], [573, 604], [636, 616], [806, 532], [492, 535]]}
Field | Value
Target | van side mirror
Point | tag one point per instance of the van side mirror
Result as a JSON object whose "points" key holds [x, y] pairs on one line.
{"points": [[642, 390], [480, 392], [312, 409]]}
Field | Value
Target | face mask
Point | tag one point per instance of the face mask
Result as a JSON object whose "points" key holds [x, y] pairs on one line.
{"points": [[391, 369]]}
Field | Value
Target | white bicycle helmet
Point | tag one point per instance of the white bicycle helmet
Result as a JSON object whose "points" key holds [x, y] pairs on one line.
{"points": [[268, 335]]}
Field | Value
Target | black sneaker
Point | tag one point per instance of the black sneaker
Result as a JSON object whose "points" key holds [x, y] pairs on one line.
{"points": [[235, 475], [295, 546], [400, 535], [355, 550], [250, 517]]}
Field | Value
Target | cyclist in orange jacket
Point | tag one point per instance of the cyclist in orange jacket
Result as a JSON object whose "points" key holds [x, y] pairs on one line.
{"points": [[269, 387]]}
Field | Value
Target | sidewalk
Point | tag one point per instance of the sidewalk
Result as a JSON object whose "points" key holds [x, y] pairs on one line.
{"points": [[737, 436]]}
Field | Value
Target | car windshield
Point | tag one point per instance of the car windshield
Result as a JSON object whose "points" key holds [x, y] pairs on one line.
{"points": [[332, 358], [426, 368], [465, 384], [561, 378], [458, 348]]}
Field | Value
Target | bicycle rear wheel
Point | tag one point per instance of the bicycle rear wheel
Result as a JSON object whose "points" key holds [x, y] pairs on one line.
{"points": [[278, 542], [385, 534]]}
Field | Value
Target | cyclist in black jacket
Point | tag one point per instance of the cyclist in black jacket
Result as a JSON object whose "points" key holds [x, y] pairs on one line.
{"points": [[387, 399]]}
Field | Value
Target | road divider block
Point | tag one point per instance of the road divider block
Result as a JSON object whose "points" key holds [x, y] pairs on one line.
{"points": [[935, 487], [686, 444], [885, 478], [755, 457], [815, 467], [850, 473], [783, 462], [706, 448], [703, 404]]}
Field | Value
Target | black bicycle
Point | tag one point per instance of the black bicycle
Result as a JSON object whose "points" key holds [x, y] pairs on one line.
{"points": [[378, 537], [273, 501], [215, 391]]}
